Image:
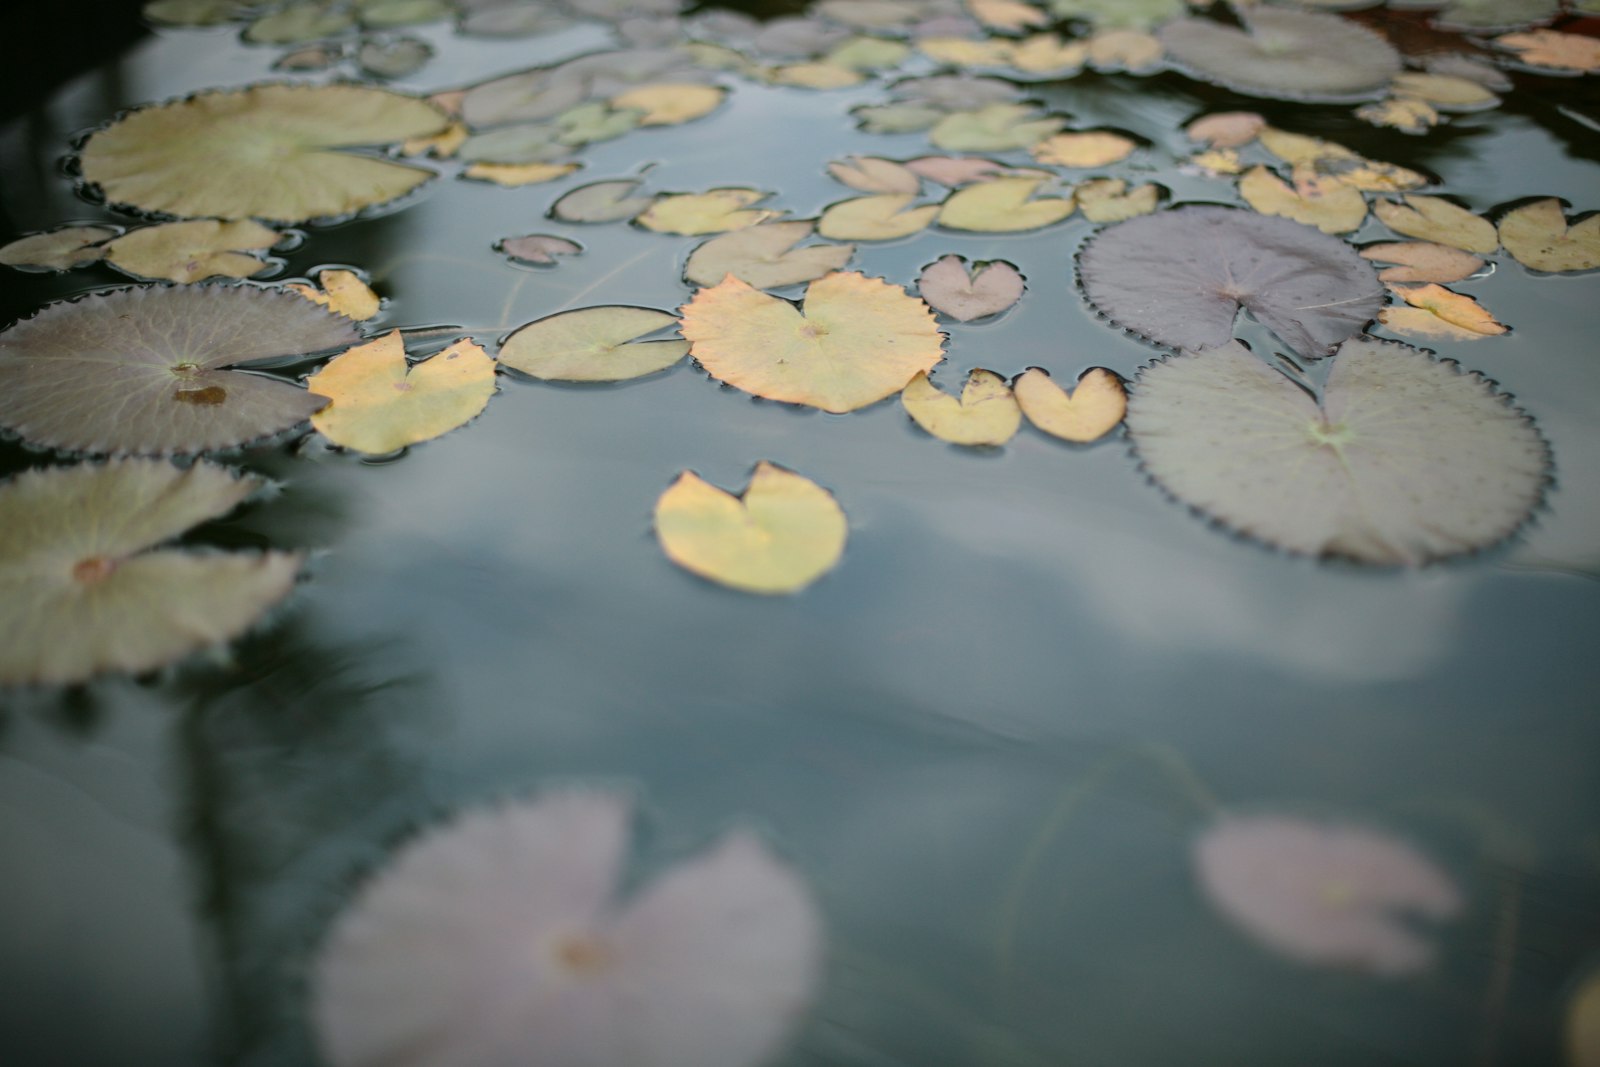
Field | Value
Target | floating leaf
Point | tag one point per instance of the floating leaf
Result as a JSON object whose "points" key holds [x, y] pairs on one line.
{"points": [[875, 218], [142, 370], [504, 937], [954, 171], [528, 96], [1003, 205], [784, 534], [669, 103], [516, 175], [1422, 261], [1538, 236], [383, 14], [1226, 129], [765, 256], [961, 52], [1491, 15], [1439, 313], [955, 92], [397, 58], [1011, 15], [1088, 413], [297, 23], [873, 175], [716, 211], [1551, 51], [870, 14], [593, 122], [986, 415], [816, 76], [1407, 114], [379, 403], [995, 128], [62, 249], [265, 152], [595, 344], [1179, 277], [83, 590], [1096, 148], [531, 142], [947, 287], [1445, 90], [1125, 14], [343, 292], [860, 339], [192, 251], [1110, 200], [1326, 203], [1130, 50], [193, 12], [441, 145], [867, 54], [1340, 162], [311, 57], [1216, 162], [1433, 218], [609, 201], [1046, 54], [897, 118], [1406, 459], [1291, 55], [1325, 893], [539, 248]]}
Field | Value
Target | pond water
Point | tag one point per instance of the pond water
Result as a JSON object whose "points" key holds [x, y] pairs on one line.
{"points": [[987, 740]]}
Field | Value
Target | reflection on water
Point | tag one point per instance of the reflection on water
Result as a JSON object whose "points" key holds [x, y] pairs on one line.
{"points": [[989, 738]]}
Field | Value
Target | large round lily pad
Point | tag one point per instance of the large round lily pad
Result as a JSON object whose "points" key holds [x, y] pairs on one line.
{"points": [[1406, 458], [1179, 278], [1284, 54], [143, 370], [267, 152]]}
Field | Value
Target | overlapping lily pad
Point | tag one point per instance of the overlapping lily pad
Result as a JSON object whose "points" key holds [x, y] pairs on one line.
{"points": [[145, 370], [1179, 278]]}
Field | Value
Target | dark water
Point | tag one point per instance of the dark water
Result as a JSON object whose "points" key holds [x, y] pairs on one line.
{"points": [[489, 614]]}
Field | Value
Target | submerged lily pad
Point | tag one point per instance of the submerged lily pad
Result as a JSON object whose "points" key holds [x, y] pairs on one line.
{"points": [[1406, 459], [144, 370], [266, 152], [83, 590], [784, 534], [1284, 54], [859, 340], [1179, 278]]}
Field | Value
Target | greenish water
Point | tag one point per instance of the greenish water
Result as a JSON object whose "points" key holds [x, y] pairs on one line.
{"points": [[489, 614]]}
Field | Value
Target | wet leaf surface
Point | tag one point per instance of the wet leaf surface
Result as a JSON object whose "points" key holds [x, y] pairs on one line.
{"points": [[1326, 203], [1095, 148], [379, 403], [986, 414], [1110, 200], [1406, 459], [1437, 312], [857, 341], [608, 201], [597, 344], [784, 533], [145, 370], [84, 589]]}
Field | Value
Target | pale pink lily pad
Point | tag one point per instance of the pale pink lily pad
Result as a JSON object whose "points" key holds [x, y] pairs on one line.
{"points": [[499, 939], [1325, 893], [539, 248], [948, 287]]}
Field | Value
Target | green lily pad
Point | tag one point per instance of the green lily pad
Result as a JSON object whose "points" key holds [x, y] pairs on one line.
{"points": [[298, 23]]}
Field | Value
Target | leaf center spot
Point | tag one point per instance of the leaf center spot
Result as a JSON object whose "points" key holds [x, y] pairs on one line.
{"points": [[811, 329], [1335, 435], [93, 569], [186, 369], [211, 395], [402, 387], [583, 955]]}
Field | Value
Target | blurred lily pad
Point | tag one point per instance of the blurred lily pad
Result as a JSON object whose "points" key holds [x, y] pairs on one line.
{"points": [[396, 58], [265, 152], [1285, 54], [538, 248], [144, 370], [298, 23], [83, 588], [882, 217], [59, 249]]}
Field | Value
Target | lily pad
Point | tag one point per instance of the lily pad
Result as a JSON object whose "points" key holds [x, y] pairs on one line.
{"points": [[949, 288], [1422, 261], [1090, 148], [144, 370], [716, 211], [1433, 218], [343, 292], [397, 58], [84, 590], [882, 217], [595, 344], [1314, 199], [765, 256], [1436, 312], [379, 403], [60, 249], [1284, 54], [859, 340], [1179, 277], [528, 96], [994, 128], [193, 251], [267, 152], [1086, 414], [538, 248], [870, 174], [986, 415], [1538, 237], [1110, 199], [1003, 205], [298, 23], [1405, 459], [784, 534], [608, 201], [670, 103]]}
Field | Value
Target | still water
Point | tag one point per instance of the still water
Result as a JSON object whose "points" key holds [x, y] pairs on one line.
{"points": [[987, 739]]}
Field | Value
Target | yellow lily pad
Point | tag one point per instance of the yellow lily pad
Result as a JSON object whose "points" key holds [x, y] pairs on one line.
{"points": [[192, 251], [59, 249], [1003, 205], [1315, 200], [1094, 148], [784, 534], [716, 211], [1110, 199], [1047, 53], [859, 340], [515, 175], [269, 152], [342, 291], [1129, 50], [1552, 50], [1088, 413], [870, 174], [994, 128], [669, 103], [1438, 312], [1433, 218], [875, 218], [441, 145], [1009, 15], [1444, 90], [961, 52], [985, 415], [1538, 236], [765, 256], [380, 403], [1408, 114], [1422, 261], [1226, 129], [816, 76], [594, 344]]}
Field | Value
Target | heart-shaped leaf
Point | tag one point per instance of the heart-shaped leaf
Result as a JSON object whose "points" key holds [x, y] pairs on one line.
{"points": [[595, 344], [343, 292], [882, 217], [379, 403], [1437, 312], [860, 339], [948, 287], [784, 534], [83, 589], [1088, 413], [1003, 205], [1538, 236], [986, 414], [873, 175], [765, 256]]}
